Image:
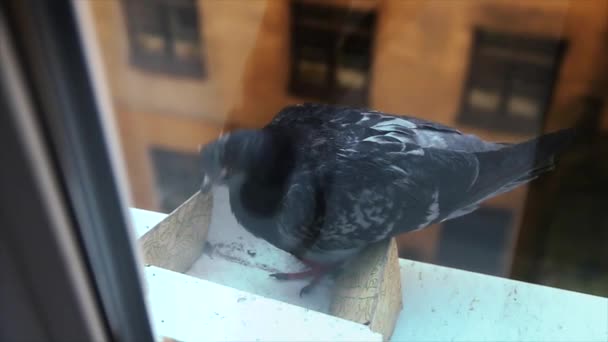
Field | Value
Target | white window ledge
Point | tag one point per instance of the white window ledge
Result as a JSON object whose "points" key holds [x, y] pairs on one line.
{"points": [[444, 304]]}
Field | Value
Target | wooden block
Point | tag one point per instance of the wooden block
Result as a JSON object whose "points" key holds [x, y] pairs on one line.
{"points": [[368, 291], [169, 339], [178, 240]]}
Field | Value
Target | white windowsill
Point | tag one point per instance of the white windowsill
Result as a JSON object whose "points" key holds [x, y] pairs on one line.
{"points": [[444, 304]]}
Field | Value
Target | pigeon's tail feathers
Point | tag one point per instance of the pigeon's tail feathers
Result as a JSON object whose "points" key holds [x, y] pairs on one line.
{"points": [[505, 169]]}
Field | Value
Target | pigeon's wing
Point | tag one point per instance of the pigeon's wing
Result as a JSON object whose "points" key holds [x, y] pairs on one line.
{"points": [[426, 134], [298, 222], [382, 175], [513, 165], [376, 125], [387, 189]]}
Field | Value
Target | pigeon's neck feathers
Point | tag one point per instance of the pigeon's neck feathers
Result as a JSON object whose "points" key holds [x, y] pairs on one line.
{"points": [[266, 161], [261, 154]]}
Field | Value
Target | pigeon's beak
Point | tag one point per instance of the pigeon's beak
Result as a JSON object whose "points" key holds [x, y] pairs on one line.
{"points": [[206, 185], [209, 182]]}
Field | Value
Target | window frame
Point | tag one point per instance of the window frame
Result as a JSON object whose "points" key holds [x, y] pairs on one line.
{"points": [[166, 62], [50, 48], [534, 46], [311, 21]]}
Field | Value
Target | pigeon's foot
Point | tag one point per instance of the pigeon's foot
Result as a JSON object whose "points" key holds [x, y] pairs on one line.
{"points": [[294, 276], [316, 271], [306, 289]]}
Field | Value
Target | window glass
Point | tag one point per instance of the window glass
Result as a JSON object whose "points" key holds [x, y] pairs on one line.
{"points": [[412, 83]]}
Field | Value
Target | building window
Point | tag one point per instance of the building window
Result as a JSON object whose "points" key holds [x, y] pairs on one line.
{"points": [[478, 241], [177, 176], [331, 52], [164, 36], [511, 80]]}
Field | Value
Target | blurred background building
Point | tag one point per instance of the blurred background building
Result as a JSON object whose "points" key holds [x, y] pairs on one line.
{"points": [[182, 71]]}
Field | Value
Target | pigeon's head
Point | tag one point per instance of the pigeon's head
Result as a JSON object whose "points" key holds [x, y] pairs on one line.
{"points": [[231, 155]]}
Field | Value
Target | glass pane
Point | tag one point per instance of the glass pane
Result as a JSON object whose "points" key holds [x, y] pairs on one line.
{"points": [[186, 50], [311, 72], [146, 16], [350, 78], [184, 24], [410, 179], [353, 60], [152, 43], [313, 53], [523, 106], [485, 100]]}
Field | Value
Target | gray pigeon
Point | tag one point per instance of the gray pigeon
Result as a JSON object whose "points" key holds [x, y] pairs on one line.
{"points": [[322, 182]]}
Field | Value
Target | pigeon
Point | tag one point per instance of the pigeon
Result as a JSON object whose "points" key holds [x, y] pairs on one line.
{"points": [[322, 182]]}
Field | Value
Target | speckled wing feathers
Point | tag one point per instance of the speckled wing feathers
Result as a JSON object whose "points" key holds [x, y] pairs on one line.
{"points": [[362, 176]]}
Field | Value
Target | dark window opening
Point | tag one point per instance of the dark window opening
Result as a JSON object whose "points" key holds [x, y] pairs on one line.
{"points": [[177, 174], [331, 53], [164, 36], [477, 242], [511, 80]]}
